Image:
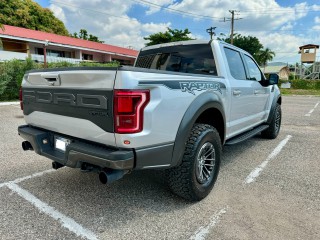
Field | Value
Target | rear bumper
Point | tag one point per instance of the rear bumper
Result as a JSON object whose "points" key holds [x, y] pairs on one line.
{"points": [[78, 151]]}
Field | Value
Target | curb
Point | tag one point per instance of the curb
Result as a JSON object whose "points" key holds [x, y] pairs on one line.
{"points": [[8, 103]]}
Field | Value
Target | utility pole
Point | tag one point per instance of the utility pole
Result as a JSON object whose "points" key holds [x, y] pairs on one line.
{"points": [[232, 19], [211, 31], [45, 45], [232, 25]]}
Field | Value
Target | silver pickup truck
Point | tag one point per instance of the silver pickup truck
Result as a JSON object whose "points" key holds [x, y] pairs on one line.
{"points": [[173, 110]]}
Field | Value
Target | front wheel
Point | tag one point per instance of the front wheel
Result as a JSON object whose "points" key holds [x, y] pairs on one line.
{"points": [[195, 177], [273, 130]]}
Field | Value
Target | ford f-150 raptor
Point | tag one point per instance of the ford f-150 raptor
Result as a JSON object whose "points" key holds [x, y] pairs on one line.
{"points": [[173, 110]]}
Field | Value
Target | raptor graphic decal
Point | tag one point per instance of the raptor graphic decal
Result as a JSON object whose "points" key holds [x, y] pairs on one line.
{"points": [[188, 86]]}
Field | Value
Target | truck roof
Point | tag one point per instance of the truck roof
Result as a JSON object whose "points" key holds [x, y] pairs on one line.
{"points": [[189, 42]]}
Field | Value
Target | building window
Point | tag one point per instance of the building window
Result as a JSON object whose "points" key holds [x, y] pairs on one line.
{"points": [[39, 51], [87, 57], [54, 53]]}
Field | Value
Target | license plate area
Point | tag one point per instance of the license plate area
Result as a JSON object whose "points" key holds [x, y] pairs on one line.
{"points": [[61, 143]]}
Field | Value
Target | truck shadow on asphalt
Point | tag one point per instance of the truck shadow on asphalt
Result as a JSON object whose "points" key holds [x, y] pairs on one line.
{"points": [[231, 152]]}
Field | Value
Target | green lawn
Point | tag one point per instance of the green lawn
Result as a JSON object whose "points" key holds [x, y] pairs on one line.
{"points": [[315, 92]]}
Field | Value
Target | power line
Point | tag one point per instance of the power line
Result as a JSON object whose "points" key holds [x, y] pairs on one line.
{"points": [[286, 9], [181, 12], [92, 10], [263, 10], [172, 9], [132, 19]]}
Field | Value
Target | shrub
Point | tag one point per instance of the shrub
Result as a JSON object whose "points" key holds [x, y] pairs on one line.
{"points": [[11, 74], [59, 65], [91, 64], [303, 84]]}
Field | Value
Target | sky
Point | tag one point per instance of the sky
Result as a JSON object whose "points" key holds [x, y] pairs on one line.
{"points": [[281, 25]]}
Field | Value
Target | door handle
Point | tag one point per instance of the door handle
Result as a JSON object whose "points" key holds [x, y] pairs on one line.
{"points": [[236, 92], [259, 92], [52, 79]]}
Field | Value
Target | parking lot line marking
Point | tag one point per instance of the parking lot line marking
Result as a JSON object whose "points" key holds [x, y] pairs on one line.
{"points": [[65, 221], [39, 174], [256, 172], [311, 111], [201, 233], [18, 180]]}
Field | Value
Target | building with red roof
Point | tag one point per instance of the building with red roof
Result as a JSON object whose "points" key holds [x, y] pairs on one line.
{"points": [[19, 43]]}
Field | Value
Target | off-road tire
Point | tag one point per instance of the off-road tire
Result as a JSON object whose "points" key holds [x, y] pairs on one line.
{"points": [[273, 130], [184, 179]]}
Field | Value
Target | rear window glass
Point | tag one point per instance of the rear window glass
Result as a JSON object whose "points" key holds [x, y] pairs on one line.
{"points": [[195, 58]]}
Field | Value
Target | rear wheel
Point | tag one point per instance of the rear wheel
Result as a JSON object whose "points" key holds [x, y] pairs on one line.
{"points": [[273, 130], [195, 177]]}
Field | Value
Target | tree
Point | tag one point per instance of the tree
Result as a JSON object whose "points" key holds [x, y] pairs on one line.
{"points": [[248, 43], [264, 56], [253, 46], [28, 14], [94, 39], [83, 34], [171, 35]]}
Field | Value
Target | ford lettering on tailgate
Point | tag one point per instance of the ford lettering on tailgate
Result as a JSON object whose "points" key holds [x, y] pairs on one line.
{"points": [[81, 100]]}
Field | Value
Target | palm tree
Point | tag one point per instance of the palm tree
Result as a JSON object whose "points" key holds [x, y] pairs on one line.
{"points": [[264, 56]]}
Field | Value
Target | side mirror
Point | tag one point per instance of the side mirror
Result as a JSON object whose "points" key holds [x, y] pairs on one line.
{"points": [[273, 78]]}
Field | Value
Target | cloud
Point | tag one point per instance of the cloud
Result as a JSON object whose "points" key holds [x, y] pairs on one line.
{"points": [[106, 19], [285, 45], [315, 7], [277, 27], [155, 5], [254, 14], [286, 27], [153, 27], [316, 27], [58, 13]]}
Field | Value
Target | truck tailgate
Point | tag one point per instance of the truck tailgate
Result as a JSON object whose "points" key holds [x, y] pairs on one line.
{"points": [[76, 102]]}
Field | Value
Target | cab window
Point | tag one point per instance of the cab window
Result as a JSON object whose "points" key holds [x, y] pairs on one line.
{"points": [[235, 63], [254, 70], [195, 58]]}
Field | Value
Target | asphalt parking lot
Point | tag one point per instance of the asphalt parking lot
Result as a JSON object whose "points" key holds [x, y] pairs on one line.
{"points": [[266, 189]]}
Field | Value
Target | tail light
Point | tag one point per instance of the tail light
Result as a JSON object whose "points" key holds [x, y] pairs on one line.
{"points": [[20, 98], [129, 106]]}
